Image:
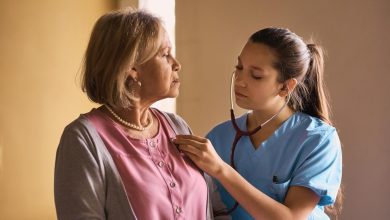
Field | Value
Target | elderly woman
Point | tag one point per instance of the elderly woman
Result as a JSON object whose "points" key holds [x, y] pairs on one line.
{"points": [[118, 161]]}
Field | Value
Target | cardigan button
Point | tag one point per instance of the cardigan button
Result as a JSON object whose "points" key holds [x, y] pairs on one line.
{"points": [[152, 144], [161, 164]]}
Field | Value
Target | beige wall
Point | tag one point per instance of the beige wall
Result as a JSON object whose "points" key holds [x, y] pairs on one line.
{"points": [[356, 35], [41, 47]]}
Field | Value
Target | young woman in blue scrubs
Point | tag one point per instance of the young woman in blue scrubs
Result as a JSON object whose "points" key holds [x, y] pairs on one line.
{"points": [[291, 168]]}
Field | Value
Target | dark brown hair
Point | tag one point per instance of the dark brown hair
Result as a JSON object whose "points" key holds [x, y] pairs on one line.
{"points": [[304, 62], [296, 59], [119, 41]]}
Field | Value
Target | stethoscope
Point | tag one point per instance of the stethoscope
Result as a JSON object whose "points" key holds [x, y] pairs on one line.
{"points": [[240, 133]]}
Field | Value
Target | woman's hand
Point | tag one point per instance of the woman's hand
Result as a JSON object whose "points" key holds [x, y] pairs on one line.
{"points": [[202, 153]]}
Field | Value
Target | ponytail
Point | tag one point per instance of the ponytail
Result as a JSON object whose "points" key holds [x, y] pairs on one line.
{"points": [[310, 95]]}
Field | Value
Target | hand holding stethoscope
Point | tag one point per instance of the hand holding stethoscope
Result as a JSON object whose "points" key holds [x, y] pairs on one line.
{"points": [[202, 153]]}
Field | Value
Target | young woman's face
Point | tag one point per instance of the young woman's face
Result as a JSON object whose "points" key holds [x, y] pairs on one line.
{"points": [[256, 86], [159, 76]]}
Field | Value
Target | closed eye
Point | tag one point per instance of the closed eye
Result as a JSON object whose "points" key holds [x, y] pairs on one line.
{"points": [[257, 77], [238, 67]]}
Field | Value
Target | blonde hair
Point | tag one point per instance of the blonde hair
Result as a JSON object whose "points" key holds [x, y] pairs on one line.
{"points": [[119, 41]]}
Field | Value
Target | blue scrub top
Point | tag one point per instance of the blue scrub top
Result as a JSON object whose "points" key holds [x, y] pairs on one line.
{"points": [[303, 151]]}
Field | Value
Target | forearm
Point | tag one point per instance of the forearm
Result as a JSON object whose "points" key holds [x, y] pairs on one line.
{"points": [[255, 202]]}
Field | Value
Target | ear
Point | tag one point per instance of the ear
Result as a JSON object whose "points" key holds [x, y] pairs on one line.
{"points": [[288, 86], [132, 73]]}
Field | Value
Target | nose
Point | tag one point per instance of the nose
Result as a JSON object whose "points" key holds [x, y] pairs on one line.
{"points": [[176, 65], [238, 80]]}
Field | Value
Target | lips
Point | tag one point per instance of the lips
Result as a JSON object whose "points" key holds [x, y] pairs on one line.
{"points": [[175, 82], [240, 95]]}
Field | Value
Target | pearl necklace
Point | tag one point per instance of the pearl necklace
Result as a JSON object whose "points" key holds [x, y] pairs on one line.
{"points": [[128, 124]]}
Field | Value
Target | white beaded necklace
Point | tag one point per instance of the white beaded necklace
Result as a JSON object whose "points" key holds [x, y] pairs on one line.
{"points": [[128, 124]]}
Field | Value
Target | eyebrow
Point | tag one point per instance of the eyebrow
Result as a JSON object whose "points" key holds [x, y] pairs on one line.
{"points": [[256, 68], [164, 48], [251, 66]]}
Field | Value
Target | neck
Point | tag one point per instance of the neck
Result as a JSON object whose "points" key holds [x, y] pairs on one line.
{"points": [[137, 115], [257, 117]]}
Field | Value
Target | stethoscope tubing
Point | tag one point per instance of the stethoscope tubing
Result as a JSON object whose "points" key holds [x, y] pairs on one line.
{"points": [[240, 133]]}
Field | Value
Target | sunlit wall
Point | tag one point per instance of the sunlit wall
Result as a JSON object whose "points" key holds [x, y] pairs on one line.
{"points": [[41, 49]]}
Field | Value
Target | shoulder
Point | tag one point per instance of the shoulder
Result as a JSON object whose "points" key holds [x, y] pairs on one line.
{"points": [[222, 127], [173, 116], [178, 124], [79, 133], [315, 133], [226, 129], [80, 125], [315, 127]]}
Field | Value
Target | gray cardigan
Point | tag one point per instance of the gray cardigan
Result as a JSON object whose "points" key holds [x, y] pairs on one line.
{"points": [[87, 184]]}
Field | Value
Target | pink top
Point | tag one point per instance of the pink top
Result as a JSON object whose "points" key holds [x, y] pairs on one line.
{"points": [[161, 183]]}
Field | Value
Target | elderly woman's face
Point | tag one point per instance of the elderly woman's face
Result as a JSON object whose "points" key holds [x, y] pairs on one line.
{"points": [[159, 76]]}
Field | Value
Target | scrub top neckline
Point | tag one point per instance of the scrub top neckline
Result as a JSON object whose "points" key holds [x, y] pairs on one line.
{"points": [[263, 144]]}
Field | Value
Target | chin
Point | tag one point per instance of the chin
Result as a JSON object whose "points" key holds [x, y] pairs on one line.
{"points": [[174, 95], [174, 92], [171, 95], [243, 105]]}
